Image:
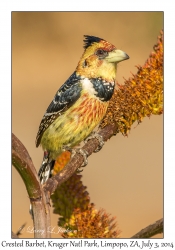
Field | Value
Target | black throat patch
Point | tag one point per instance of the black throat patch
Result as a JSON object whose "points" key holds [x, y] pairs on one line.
{"points": [[104, 89]]}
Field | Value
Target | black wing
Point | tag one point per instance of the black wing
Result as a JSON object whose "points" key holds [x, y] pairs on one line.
{"points": [[65, 97]]}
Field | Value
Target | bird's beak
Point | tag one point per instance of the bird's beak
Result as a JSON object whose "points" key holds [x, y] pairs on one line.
{"points": [[116, 56]]}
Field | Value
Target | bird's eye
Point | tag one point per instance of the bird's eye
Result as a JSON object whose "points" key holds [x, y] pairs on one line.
{"points": [[101, 53]]}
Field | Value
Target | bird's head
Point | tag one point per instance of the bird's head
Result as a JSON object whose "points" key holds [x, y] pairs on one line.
{"points": [[100, 59]]}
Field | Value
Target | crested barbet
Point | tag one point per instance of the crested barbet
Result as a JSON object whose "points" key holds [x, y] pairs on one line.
{"points": [[80, 103]]}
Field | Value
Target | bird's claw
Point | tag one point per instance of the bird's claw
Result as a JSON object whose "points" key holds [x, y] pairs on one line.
{"points": [[99, 138], [101, 142], [82, 152]]}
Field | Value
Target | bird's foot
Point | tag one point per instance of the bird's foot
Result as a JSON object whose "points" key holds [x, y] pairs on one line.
{"points": [[82, 152], [85, 154], [99, 138]]}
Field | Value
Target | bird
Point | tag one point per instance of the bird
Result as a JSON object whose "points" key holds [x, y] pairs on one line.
{"points": [[80, 103]]}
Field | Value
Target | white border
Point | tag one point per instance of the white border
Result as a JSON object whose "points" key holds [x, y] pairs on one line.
{"points": [[5, 94]]}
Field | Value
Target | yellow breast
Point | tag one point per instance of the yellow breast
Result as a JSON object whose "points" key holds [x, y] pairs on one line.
{"points": [[73, 126]]}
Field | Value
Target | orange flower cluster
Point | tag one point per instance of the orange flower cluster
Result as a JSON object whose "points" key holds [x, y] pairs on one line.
{"points": [[77, 215], [70, 195], [140, 96], [91, 223]]}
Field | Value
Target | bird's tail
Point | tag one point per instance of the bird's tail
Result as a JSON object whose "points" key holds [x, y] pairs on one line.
{"points": [[45, 170], [44, 173]]}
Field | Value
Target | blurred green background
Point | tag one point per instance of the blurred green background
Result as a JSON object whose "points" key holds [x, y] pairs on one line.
{"points": [[126, 176]]}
